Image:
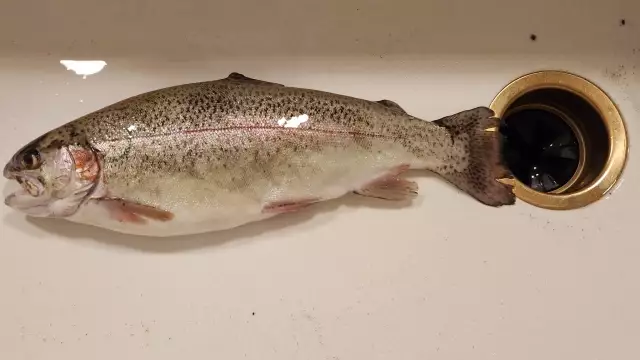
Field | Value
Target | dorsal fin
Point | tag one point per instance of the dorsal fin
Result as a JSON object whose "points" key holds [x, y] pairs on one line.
{"points": [[234, 76], [392, 105]]}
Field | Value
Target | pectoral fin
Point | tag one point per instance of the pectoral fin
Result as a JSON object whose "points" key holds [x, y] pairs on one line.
{"points": [[132, 212]]}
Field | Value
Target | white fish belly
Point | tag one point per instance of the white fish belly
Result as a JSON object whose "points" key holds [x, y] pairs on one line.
{"points": [[331, 176]]}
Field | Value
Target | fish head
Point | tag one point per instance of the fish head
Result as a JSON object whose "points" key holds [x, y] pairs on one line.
{"points": [[55, 177]]}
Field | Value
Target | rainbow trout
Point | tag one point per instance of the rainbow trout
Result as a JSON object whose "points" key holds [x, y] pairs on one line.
{"points": [[214, 155]]}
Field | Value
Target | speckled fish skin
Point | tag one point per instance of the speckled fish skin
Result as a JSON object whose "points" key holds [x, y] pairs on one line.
{"points": [[215, 155]]}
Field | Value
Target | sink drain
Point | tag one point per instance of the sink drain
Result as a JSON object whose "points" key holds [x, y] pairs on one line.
{"points": [[564, 139]]}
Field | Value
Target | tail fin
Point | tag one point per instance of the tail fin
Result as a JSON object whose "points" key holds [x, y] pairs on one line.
{"points": [[480, 178]]}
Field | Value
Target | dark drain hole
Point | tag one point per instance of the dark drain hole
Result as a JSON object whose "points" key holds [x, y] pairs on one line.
{"points": [[540, 148]]}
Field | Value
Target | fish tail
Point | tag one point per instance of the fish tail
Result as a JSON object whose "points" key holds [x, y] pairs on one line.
{"points": [[480, 129]]}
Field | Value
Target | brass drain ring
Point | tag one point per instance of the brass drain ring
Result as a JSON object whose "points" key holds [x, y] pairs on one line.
{"points": [[595, 121]]}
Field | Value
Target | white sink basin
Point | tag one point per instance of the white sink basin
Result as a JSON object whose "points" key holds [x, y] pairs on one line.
{"points": [[444, 278]]}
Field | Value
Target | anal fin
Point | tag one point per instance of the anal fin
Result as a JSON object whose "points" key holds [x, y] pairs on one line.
{"points": [[391, 186], [395, 189]]}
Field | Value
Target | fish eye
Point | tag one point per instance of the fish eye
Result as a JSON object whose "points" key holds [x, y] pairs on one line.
{"points": [[31, 159]]}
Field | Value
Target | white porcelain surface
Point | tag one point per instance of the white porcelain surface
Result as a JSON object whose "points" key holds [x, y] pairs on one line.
{"points": [[446, 278]]}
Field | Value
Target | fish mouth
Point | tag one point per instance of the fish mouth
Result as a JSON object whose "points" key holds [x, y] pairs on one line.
{"points": [[9, 199], [9, 171], [27, 198], [21, 200], [15, 198]]}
